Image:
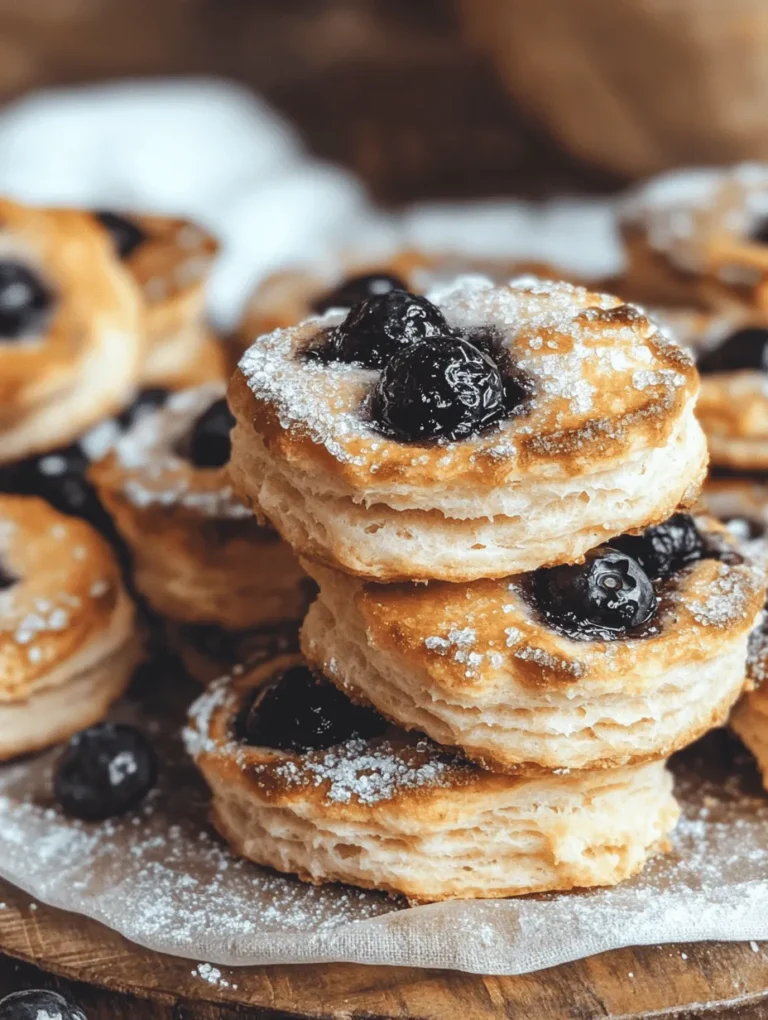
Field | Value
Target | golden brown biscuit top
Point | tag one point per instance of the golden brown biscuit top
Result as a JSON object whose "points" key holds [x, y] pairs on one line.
{"points": [[701, 219], [467, 635], [607, 384], [175, 257], [346, 780], [59, 585], [147, 465], [91, 296]]}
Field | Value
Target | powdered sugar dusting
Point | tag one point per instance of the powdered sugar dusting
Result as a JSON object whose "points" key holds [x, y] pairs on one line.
{"points": [[156, 475], [365, 773], [164, 880], [579, 349], [683, 211]]}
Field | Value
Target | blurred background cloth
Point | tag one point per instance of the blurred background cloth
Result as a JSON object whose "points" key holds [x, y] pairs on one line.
{"points": [[364, 104], [389, 88]]}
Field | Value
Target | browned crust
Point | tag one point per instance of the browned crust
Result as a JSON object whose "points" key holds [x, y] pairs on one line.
{"points": [[52, 555]]}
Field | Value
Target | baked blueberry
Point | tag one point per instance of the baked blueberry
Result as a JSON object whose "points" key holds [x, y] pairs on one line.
{"points": [[299, 711], [125, 233], [744, 349], [209, 444], [443, 387], [356, 289], [665, 548], [609, 593], [381, 326], [105, 771], [39, 1004], [25, 301]]}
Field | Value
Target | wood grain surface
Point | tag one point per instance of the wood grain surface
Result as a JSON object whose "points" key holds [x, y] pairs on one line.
{"points": [[114, 980]]}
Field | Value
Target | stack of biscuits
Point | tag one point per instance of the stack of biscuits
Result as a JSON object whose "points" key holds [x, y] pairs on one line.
{"points": [[518, 618], [697, 247]]}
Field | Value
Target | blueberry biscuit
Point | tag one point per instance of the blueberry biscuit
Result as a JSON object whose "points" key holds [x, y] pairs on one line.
{"points": [[305, 782], [199, 556], [699, 237], [71, 332], [68, 635], [629, 655], [170, 260], [478, 432]]}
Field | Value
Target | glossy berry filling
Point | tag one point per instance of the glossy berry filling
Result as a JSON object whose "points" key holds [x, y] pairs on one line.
{"points": [[299, 711], [665, 548], [440, 388], [209, 444], [744, 349], [25, 302], [125, 233], [105, 771], [378, 328], [39, 1004], [356, 289], [604, 597]]}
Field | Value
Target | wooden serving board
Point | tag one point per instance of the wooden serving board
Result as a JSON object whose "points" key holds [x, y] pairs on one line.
{"points": [[114, 980]]}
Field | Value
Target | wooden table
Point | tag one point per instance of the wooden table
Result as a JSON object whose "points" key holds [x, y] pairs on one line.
{"points": [[114, 980]]}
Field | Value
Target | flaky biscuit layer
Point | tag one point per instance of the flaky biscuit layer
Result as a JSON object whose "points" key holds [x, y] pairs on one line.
{"points": [[396, 813], [608, 443]]}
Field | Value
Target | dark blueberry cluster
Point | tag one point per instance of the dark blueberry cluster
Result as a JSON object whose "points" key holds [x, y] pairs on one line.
{"points": [[441, 387], [125, 233], [744, 349], [25, 302], [436, 382], [665, 548], [105, 771], [39, 1004], [299, 711], [613, 592], [209, 444], [355, 289]]}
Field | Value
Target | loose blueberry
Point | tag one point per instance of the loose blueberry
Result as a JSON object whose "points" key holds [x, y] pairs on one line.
{"points": [[105, 771], [39, 1004], [126, 235], [209, 441], [744, 349], [356, 289], [301, 712], [25, 301], [665, 548], [443, 387], [607, 594], [381, 326]]}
